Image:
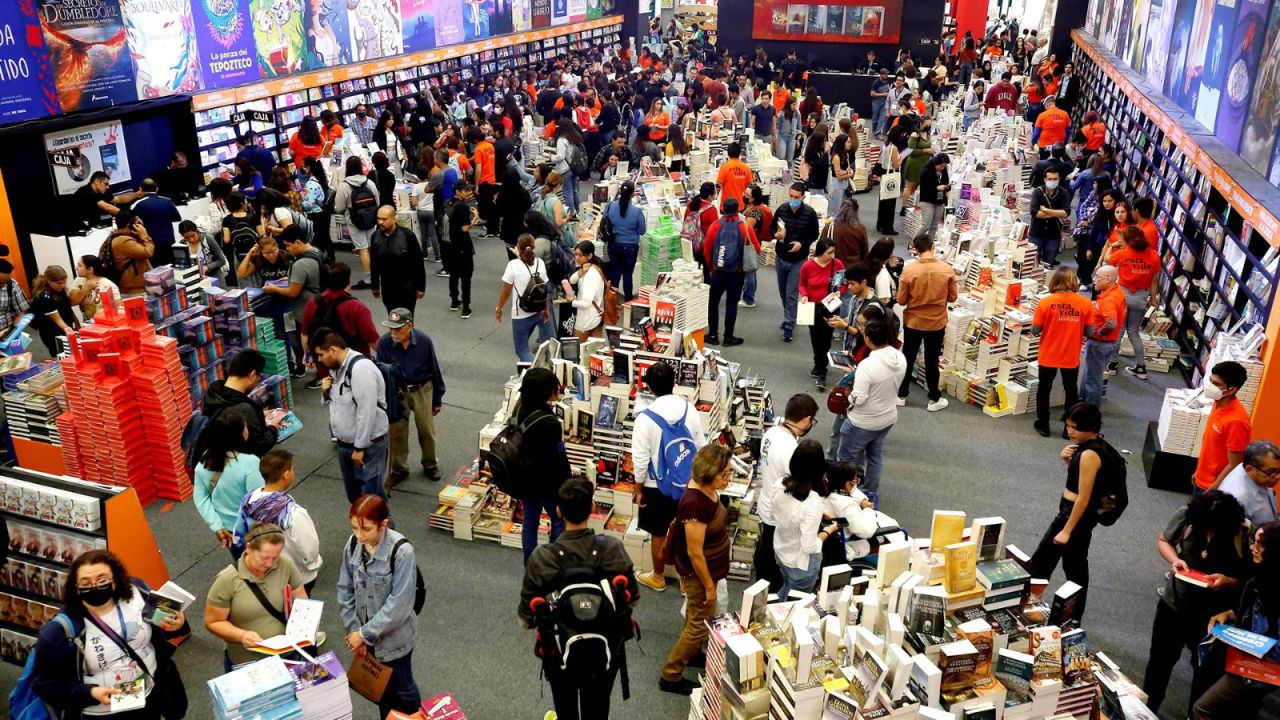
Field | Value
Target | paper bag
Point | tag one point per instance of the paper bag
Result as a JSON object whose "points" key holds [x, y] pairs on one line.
{"points": [[368, 677], [804, 313]]}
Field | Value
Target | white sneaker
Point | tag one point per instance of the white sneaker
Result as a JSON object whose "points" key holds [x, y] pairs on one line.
{"points": [[745, 304], [901, 402], [939, 404]]}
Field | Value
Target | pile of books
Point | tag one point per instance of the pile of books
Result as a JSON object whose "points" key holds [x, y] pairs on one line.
{"points": [[128, 400], [264, 689], [659, 247], [947, 626], [321, 688], [1183, 415]]}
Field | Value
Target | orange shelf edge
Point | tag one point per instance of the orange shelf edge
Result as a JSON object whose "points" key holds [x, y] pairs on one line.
{"points": [[129, 537]]}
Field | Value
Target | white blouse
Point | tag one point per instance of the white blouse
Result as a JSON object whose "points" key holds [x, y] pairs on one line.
{"points": [[589, 299], [795, 538], [106, 664]]}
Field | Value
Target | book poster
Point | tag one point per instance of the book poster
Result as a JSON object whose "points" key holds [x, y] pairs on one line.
{"points": [[475, 19], [836, 22], [448, 22], [1135, 44], [88, 53], [541, 13], [1213, 70], [419, 21], [1264, 107], [375, 29], [596, 9], [224, 36], [521, 15], [559, 12], [1109, 27], [577, 10], [328, 32], [1159, 25], [1119, 43], [75, 155], [1188, 89], [1241, 70], [1179, 47], [162, 39], [501, 20], [26, 78], [279, 32]]}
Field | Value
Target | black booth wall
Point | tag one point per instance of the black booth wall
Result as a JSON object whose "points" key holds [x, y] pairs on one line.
{"points": [[1070, 15], [153, 131], [921, 33]]}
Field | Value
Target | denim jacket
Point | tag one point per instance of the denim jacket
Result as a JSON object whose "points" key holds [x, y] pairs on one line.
{"points": [[375, 603]]}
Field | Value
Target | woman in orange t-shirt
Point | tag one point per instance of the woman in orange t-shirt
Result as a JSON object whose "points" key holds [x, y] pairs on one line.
{"points": [[1061, 320], [1095, 133], [657, 121], [1138, 265], [1123, 215]]}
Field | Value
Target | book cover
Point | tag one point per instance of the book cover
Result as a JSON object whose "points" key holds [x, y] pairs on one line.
{"points": [[958, 662], [979, 633], [946, 529], [925, 682], [1193, 577], [961, 567], [1065, 609], [999, 574], [1046, 648], [1014, 670], [664, 316], [926, 611], [1075, 658], [988, 534]]}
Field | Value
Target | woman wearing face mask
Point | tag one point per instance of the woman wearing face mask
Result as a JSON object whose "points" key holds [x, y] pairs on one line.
{"points": [[246, 602], [107, 612], [376, 594]]}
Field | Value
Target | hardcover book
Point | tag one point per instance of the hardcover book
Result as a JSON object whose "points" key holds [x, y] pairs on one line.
{"points": [[961, 567], [946, 529], [1076, 667]]}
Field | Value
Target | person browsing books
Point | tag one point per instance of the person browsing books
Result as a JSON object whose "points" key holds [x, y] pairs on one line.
{"points": [[1206, 546], [542, 453], [421, 386], [516, 279], [1227, 431], [579, 550], [724, 250], [588, 298], [1062, 320], [873, 406], [246, 603], [355, 395], [798, 510], [1138, 264], [272, 504], [700, 550], [244, 372], [1253, 482], [627, 220], [1109, 314], [225, 474], [656, 507], [822, 285], [107, 613], [776, 447], [1067, 538], [376, 595], [926, 287]]}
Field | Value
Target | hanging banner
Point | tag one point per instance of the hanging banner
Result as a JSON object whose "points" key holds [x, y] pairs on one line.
{"points": [[596, 9], [88, 53], [1212, 69], [1264, 108], [475, 20], [846, 22], [26, 79], [521, 16], [559, 12], [448, 22], [75, 155], [541, 10], [419, 21], [280, 36], [328, 32], [224, 36], [577, 10], [1159, 25], [1242, 70], [375, 29], [162, 40]]}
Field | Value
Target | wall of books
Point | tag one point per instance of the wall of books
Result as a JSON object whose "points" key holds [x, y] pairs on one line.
{"points": [[1221, 239]]}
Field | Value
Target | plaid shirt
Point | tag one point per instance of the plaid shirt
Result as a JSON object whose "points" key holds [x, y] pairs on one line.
{"points": [[13, 302]]}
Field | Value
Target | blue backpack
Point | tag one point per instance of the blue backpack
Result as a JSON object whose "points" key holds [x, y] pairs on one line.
{"points": [[24, 703], [674, 459], [728, 250]]}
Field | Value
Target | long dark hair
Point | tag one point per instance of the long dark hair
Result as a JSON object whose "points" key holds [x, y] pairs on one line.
{"points": [[316, 169], [539, 225], [675, 136], [816, 144], [588, 248], [122, 585], [566, 129], [1215, 513], [807, 470], [624, 197], [879, 255], [309, 132], [1268, 576], [839, 149], [226, 438], [705, 192]]}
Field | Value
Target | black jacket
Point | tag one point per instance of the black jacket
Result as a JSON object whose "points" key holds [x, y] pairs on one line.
{"points": [[396, 262], [542, 449], [542, 575], [929, 182], [802, 227], [219, 397]]}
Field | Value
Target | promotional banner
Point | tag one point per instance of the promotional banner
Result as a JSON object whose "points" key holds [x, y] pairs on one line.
{"points": [[75, 155], [1213, 70], [1242, 70], [88, 52], [161, 35], [1179, 48], [281, 37], [419, 21], [597, 9], [1135, 42], [26, 79], [501, 17], [475, 20], [577, 10], [224, 36], [375, 29], [559, 12], [448, 22], [848, 22], [541, 10], [521, 15], [1264, 107], [328, 31], [1159, 25]]}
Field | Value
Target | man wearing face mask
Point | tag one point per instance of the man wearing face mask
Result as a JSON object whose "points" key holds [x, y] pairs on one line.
{"points": [[795, 227], [776, 447], [1049, 206], [1109, 311], [1226, 434], [363, 125]]}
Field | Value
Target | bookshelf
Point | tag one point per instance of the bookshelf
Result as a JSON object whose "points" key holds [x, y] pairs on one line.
{"points": [[275, 108], [49, 521], [1220, 247]]}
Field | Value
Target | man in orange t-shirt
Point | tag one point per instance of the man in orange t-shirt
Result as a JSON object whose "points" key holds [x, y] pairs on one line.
{"points": [[1062, 320], [734, 176], [485, 162], [1108, 320], [1145, 210], [1228, 430], [1052, 127]]}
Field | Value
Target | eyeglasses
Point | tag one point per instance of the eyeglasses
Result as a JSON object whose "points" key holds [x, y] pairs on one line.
{"points": [[103, 584], [1273, 472]]}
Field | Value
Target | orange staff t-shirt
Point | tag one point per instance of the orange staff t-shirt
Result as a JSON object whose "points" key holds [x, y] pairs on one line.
{"points": [[1061, 318]]}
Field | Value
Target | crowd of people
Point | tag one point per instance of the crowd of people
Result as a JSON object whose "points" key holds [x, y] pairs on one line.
{"points": [[817, 505]]}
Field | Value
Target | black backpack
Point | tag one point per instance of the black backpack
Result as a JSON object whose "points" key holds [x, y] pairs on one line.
{"points": [[364, 206], [583, 629], [577, 159], [505, 460], [534, 297], [392, 403], [1110, 493], [326, 316], [107, 259], [244, 236], [559, 261], [420, 586]]}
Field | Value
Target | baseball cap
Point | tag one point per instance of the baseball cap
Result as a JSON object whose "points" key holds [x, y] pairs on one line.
{"points": [[398, 318]]}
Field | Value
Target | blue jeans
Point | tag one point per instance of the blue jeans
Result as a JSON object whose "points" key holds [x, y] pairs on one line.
{"points": [[622, 266], [787, 149], [1047, 247], [571, 191], [749, 288], [788, 290], [804, 580], [833, 442], [367, 479], [521, 331], [1097, 355], [402, 692], [878, 119], [865, 449], [533, 507]]}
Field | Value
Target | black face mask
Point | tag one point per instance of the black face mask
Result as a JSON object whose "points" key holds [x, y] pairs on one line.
{"points": [[95, 597]]}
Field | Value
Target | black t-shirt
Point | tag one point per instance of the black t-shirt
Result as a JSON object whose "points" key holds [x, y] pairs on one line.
{"points": [[47, 303], [86, 201], [243, 231], [460, 217]]}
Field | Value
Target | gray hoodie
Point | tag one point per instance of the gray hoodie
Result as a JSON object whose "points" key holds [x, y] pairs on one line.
{"points": [[873, 401], [342, 196]]}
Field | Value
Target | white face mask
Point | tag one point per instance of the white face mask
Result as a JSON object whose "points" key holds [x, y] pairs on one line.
{"points": [[1212, 392]]}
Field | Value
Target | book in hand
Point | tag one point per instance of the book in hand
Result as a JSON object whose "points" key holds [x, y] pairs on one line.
{"points": [[299, 632], [1193, 577], [1250, 642], [289, 424], [132, 695], [167, 602], [840, 359]]}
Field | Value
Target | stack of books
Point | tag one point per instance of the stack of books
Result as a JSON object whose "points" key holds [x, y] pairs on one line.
{"points": [[659, 247], [262, 690], [1180, 427], [321, 689]]}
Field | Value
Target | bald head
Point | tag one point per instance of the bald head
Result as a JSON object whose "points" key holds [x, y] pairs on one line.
{"points": [[1105, 277], [387, 219]]}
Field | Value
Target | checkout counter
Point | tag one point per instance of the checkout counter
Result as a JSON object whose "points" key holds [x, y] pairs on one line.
{"points": [[66, 250]]}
